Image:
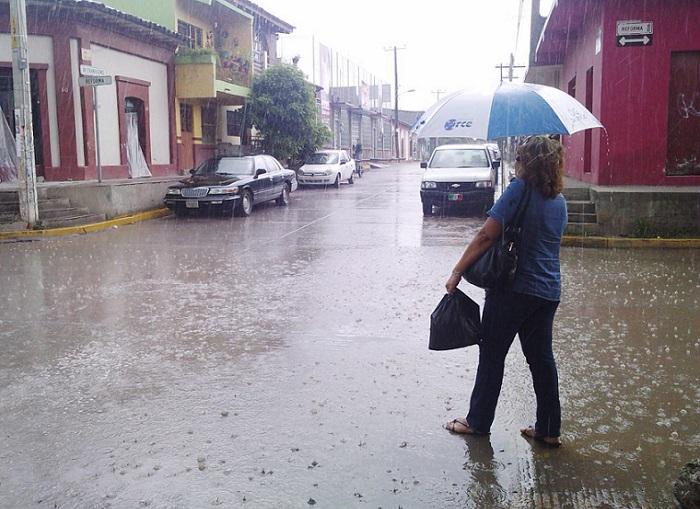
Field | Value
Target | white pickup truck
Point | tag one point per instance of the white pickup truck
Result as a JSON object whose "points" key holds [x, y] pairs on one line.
{"points": [[459, 175]]}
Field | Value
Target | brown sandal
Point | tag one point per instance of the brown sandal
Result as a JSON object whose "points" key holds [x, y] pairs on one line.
{"points": [[530, 432], [461, 427]]}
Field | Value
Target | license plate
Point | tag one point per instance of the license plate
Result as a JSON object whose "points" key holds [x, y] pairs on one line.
{"points": [[454, 197], [192, 204]]}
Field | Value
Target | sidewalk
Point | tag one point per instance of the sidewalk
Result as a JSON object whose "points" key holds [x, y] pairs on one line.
{"points": [[81, 203]]}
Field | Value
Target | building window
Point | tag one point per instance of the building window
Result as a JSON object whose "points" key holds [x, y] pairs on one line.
{"points": [[186, 117], [234, 122], [572, 87], [193, 34], [209, 124]]}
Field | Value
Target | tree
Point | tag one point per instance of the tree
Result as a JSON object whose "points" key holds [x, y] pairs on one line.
{"points": [[283, 110]]}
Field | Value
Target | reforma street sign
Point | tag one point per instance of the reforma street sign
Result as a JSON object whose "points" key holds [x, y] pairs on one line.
{"points": [[94, 81], [88, 70], [634, 33], [633, 27]]}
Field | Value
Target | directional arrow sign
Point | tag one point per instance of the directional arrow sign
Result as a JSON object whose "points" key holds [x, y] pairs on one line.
{"points": [[634, 41], [88, 70], [94, 81]]}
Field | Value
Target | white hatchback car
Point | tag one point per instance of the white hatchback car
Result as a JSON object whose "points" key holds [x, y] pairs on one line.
{"points": [[327, 167]]}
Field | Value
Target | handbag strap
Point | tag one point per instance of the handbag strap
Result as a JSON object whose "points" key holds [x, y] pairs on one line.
{"points": [[522, 207]]}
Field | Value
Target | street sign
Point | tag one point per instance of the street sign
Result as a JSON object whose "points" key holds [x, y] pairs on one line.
{"points": [[639, 40], [634, 33], [88, 70], [634, 28], [94, 81]]}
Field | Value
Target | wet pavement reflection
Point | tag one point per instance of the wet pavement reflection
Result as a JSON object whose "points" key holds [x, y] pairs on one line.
{"points": [[281, 360]]}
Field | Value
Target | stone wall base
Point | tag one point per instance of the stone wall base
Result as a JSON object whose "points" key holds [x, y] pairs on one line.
{"points": [[647, 211]]}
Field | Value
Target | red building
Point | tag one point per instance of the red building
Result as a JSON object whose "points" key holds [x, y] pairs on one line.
{"points": [[636, 65]]}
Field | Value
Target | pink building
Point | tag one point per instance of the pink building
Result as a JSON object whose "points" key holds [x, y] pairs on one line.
{"points": [[636, 65]]}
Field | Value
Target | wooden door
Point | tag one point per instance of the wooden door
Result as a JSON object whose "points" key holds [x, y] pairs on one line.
{"points": [[186, 152]]}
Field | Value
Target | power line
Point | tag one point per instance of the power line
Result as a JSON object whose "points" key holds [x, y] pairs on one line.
{"points": [[517, 32]]}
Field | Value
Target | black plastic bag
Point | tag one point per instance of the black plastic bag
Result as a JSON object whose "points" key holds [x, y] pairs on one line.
{"points": [[455, 323]]}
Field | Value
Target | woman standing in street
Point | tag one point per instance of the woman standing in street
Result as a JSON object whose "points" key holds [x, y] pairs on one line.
{"points": [[526, 306]]}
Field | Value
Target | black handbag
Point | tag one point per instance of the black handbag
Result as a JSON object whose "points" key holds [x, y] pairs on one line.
{"points": [[455, 323], [497, 265]]}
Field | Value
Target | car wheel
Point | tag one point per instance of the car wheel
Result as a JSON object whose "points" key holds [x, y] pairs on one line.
{"points": [[351, 180], [283, 199], [245, 204], [427, 208], [336, 184]]}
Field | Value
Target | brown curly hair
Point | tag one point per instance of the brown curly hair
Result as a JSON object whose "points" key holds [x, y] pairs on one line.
{"points": [[540, 162]]}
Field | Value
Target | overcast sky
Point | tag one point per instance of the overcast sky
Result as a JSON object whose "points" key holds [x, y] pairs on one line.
{"points": [[449, 44]]}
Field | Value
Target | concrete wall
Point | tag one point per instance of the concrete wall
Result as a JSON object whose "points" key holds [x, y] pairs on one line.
{"points": [[114, 199], [158, 11], [119, 63], [647, 211]]}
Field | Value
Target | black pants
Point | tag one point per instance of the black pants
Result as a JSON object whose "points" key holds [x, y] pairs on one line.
{"points": [[505, 314]]}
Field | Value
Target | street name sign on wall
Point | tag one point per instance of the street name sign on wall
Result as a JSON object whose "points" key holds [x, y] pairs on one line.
{"points": [[94, 81], [88, 70], [634, 33]]}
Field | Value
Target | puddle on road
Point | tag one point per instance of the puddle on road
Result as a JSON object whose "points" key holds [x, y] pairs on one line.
{"points": [[191, 376]]}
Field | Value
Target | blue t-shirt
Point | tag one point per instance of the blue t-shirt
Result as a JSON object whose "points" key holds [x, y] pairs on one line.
{"points": [[538, 252]]}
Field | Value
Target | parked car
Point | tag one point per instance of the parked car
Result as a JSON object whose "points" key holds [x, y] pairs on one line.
{"points": [[233, 185], [458, 175], [327, 167]]}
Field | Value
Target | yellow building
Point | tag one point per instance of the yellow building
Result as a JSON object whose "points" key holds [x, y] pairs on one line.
{"points": [[224, 43]]}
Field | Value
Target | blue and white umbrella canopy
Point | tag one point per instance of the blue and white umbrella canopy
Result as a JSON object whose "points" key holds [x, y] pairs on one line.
{"points": [[513, 109]]}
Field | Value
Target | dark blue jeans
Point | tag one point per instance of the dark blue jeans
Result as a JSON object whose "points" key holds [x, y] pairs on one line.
{"points": [[505, 314]]}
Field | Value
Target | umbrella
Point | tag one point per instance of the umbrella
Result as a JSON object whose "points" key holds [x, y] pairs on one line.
{"points": [[513, 109]]}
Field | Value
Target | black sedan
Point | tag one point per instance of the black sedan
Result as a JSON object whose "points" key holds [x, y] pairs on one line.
{"points": [[232, 185]]}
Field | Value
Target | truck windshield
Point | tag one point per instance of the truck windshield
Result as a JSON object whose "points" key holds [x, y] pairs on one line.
{"points": [[459, 158]]}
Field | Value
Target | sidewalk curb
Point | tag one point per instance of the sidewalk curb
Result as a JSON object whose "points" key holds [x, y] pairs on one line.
{"points": [[86, 228], [628, 243]]}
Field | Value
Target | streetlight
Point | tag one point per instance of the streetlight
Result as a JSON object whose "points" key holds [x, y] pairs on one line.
{"points": [[396, 117]]}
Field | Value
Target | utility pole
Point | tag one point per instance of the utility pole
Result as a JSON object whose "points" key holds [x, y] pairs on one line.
{"points": [[396, 98], [24, 135], [511, 65], [437, 93]]}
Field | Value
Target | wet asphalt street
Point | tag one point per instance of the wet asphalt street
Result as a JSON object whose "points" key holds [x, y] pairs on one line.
{"points": [[281, 361]]}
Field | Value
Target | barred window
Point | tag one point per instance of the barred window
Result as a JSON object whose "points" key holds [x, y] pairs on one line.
{"points": [[192, 33]]}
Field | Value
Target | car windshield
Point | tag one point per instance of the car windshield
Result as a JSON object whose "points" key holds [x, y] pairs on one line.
{"points": [[226, 166], [322, 158], [460, 158]]}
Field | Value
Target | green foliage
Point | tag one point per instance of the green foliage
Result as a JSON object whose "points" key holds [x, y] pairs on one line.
{"points": [[283, 110], [186, 55]]}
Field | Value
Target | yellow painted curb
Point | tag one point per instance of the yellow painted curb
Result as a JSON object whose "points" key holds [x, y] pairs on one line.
{"points": [[629, 243], [86, 228]]}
